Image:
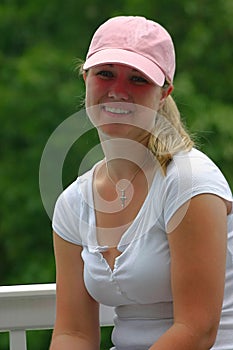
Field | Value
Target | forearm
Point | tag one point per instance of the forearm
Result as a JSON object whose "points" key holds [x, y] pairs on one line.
{"points": [[181, 337], [71, 342]]}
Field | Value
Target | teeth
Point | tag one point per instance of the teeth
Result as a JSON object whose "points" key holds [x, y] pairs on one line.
{"points": [[116, 110]]}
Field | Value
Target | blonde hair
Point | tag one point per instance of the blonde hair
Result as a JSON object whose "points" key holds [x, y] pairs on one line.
{"points": [[169, 135]]}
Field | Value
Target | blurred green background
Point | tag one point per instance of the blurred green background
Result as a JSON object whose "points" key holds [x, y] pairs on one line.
{"points": [[40, 41]]}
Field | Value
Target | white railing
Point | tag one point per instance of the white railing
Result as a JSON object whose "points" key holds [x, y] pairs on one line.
{"points": [[28, 307]]}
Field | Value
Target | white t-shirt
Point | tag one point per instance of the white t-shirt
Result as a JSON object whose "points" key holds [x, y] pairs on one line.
{"points": [[139, 286]]}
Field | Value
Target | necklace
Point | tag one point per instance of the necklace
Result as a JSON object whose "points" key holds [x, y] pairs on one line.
{"points": [[123, 197]]}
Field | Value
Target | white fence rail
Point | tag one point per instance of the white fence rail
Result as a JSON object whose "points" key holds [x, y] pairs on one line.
{"points": [[30, 307]]}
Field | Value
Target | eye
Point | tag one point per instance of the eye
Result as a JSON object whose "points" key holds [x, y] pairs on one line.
{"points": [[140, 80], [105, 74]]}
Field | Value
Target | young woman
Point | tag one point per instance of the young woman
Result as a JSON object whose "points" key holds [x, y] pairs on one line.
{"points": [[149, 228]]}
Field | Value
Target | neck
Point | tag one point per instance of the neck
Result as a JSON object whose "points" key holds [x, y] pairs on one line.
{"points": [[124, 157]]}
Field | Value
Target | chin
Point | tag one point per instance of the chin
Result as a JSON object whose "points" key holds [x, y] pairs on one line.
{"points": [[114, 130]]}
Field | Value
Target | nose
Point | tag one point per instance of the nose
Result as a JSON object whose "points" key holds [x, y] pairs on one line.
{"points": [[118, 91]]}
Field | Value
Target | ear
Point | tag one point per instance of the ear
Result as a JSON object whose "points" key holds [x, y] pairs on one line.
{"points": [[170, 89], [165, 94], [84, 76]]}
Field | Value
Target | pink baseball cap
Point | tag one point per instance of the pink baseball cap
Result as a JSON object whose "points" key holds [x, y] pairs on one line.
{"points": [[137, 42]]}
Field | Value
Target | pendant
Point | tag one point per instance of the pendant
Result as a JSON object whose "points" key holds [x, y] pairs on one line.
{"points": [[123, 198]]}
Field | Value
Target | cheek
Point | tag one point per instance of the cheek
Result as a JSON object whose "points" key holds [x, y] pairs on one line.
{"points": [[92, 99], [95, 89], [149, 97], [149, 103], [90, 94]]}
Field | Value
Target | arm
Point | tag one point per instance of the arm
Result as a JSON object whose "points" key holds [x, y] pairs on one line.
{"points": [[198, 257], [77, 314]]}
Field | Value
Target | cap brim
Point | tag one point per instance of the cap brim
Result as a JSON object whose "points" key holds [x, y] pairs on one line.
{"points": [[129, 58]]}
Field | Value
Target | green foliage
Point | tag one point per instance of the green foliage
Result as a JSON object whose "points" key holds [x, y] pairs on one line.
{"points": [[39, 88], [105, 338]]}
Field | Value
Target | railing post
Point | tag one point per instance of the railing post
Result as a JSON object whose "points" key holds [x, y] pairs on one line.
{"points": [[18, 340]]}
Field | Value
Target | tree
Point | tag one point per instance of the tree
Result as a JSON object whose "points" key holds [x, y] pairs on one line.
{"points": [[40, 88]]}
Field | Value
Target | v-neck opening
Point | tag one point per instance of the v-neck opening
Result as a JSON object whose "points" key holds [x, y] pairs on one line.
{"points": [[123, 242]]}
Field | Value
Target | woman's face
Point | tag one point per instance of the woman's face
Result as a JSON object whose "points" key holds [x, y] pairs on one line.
{"points": [[121, 101]]}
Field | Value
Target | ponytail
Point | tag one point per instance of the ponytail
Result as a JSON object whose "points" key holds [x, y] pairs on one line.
{"points": [[169, 135]]}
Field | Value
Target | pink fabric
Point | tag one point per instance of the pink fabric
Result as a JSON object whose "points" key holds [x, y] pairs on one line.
{"points": [[137, 42]]}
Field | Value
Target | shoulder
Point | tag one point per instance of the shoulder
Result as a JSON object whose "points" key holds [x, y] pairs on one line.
{"points": [[198, 171], [194, 161], [72, 208], [78, 191], [190, 174]]}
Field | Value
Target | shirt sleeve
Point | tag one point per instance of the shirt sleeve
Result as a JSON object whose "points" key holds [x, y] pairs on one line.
{"points": [[191, 174], [65, 220]]}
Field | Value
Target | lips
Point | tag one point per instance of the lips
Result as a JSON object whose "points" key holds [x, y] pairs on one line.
{"points": [[118, 109]]}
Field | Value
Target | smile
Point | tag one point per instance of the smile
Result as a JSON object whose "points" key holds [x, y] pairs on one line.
{"points": [[118, 111]]}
